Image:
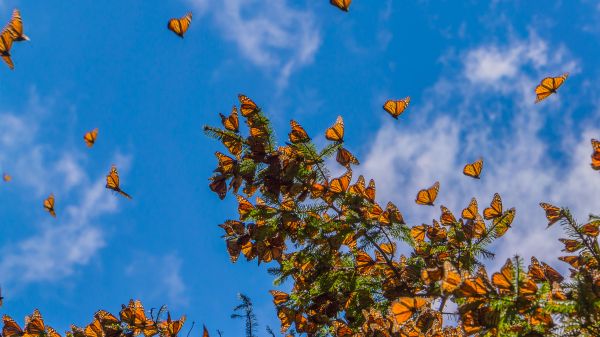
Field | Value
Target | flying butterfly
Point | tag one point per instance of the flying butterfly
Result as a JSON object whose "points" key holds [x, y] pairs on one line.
{"points": [[90, 137], [180, 25], [474, 169], [6, 42], [113, 183], [6, 177], [49, 205], [15, 27], [231, 122], [548, 86], [336, 132], [427, 196], [341, 4], [553, 213], [596, 155], [397, 107], [495, 209]]}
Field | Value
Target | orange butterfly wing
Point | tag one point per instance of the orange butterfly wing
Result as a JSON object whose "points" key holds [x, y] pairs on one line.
{"points": [[596, 154], [90, 137], [341, 4], [6, 42], [15, 27], [49, 205], [553, 213], [336, 132], [231, 122], [548, 86], [6, 177], [112, 182], [428, 196], [405, 307], [474, 169], [180, 25], [247, 106], [495, 209], [298, 134], [396, 108]]}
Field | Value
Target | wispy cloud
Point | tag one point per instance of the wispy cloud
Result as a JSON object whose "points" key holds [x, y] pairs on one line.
{"points": [[272, 35], [165, 271], [486, 109], [59, 245]]}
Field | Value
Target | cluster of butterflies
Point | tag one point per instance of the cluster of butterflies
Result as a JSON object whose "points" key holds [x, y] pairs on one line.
{"points": [[13, 32], [132, 321]]}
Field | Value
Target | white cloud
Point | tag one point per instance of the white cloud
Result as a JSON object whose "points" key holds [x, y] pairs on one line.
{"points": [[272, 35], [59, 245], [168, 282], [487, 110]]}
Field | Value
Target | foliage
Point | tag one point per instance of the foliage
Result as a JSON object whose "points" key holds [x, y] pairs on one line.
{"points": [[340, 248]]}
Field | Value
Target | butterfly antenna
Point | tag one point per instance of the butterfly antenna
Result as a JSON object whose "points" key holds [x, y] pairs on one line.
{"points": [[151, 315], [220, 333], [188, 334]]}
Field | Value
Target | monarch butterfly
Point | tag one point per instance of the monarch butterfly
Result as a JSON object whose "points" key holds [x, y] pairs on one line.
{"points": [[298, 134], [364, 262], [418, 232], [231, 122], [90, 137], [180, 25], [405, 307], [226, 164], [396, 108], [15, 27], [247, 106], [6, 42], [49, 205], [451, 279], [474, 169], [34, 324], [244, 207], [495, 209], [471, 211], [596, 154], [336, 132], [548, 86], [504, 279], [428, 196], [171, 328], [341, 184], [112, 182], [447, 218], [541, 272], [553, 213], [341, 4], [279, 297], [11, 328], [345, 158], [6, 177]]}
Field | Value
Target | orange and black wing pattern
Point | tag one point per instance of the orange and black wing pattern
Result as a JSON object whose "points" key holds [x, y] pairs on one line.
{"points": [[596, 154], [549, 86], [113, 183], [336, 132], [341, 4], [180, 25], [49, 205], [396, 107], [474, 169], [6, 42], [15, 27], [427, 196], [90, 137]]}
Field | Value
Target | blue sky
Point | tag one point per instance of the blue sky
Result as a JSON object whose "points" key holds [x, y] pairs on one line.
{"points": [[470, 68]]}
